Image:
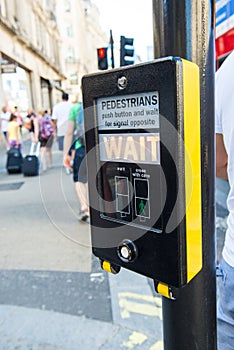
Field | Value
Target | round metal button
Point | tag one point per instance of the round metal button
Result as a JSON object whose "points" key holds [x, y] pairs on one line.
{"points": [[127, 251]]}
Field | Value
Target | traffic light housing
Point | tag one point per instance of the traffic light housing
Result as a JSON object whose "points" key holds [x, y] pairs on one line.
{"points": [[102, 58], [126, 51]]}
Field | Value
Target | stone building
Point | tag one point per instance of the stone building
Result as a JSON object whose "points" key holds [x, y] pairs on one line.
{"points": [[81, 35], [46, 46]]}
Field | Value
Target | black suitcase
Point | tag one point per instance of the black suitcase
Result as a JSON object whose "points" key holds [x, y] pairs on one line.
{"points": [[31, 164], [14, 161]]}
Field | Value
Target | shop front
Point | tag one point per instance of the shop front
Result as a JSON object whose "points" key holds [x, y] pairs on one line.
{"points": [[16, 85]]}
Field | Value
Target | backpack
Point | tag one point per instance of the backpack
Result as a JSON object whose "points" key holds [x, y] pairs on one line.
{"points": [[46, 128], [80, 134]]}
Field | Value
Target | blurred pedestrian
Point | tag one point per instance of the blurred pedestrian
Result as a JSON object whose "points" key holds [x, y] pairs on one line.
{"points": [[48, 113], [13, 133], [46, 139], [19, 118], [59, 117], [31, 124], [4, 120], [78, 164], [224, 125]]}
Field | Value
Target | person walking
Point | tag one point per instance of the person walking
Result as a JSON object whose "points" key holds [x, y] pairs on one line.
{"points": [[60, 114], [4, 120], [47, 113], [46, 139], [224, 127], [32, 125], [19, 118], [13, 133], [78, 164]]}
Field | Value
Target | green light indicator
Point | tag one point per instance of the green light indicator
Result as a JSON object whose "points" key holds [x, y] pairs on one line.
{"points": [[141, 207]]}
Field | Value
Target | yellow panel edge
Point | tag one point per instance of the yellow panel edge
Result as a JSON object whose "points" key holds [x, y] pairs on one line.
{"points": [[106, 266], [193, 197], [163, 289]]}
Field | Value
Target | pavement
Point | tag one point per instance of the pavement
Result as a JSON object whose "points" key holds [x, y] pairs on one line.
{"points": [[93, 310]]}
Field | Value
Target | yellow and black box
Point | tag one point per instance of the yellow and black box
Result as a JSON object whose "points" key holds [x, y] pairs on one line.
{"points": [[142, 127]]}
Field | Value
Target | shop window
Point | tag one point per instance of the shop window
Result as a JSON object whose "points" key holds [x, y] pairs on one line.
{"points": [[17, 89]]}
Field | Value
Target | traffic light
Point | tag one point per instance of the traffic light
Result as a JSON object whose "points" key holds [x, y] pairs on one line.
{"points": [[126, 51], [102, 58]]}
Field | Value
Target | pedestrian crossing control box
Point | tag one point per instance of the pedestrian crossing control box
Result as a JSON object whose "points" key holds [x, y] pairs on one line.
{"points": [[142, 126]]}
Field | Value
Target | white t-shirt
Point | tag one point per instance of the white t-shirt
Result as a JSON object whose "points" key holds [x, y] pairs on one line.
{"points": [[5, 120], [224, 124], [61, 114]]}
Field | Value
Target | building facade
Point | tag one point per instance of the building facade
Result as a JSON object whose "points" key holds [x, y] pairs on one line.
{"points": [[46, 47], [81, 35], [30, 54]]}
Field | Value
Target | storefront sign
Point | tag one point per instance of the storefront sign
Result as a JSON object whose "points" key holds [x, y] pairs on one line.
{"points": [[8, 68]]}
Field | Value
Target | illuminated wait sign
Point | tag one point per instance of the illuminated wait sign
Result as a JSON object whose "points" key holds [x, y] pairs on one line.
{"points": [[138, 148]]}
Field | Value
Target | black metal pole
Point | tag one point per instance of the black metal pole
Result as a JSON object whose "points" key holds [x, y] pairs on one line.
{"points": [[185, 28], [112, 50]]}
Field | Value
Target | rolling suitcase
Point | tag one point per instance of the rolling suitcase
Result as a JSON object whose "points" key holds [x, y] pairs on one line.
{"points": [[14, 161], [31, 164]]}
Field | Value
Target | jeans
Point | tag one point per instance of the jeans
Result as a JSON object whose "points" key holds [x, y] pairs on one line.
{"points": [[225, 310], [79, 166]]}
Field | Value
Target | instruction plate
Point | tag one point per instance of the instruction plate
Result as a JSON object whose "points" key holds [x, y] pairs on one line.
{"points": [[135, 111]]}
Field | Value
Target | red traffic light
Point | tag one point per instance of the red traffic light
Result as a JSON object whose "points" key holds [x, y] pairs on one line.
{"points": [[102, 58], [102, 52]]}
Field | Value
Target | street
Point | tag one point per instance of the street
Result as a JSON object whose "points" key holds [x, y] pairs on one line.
{"points": [[53, 294]]}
